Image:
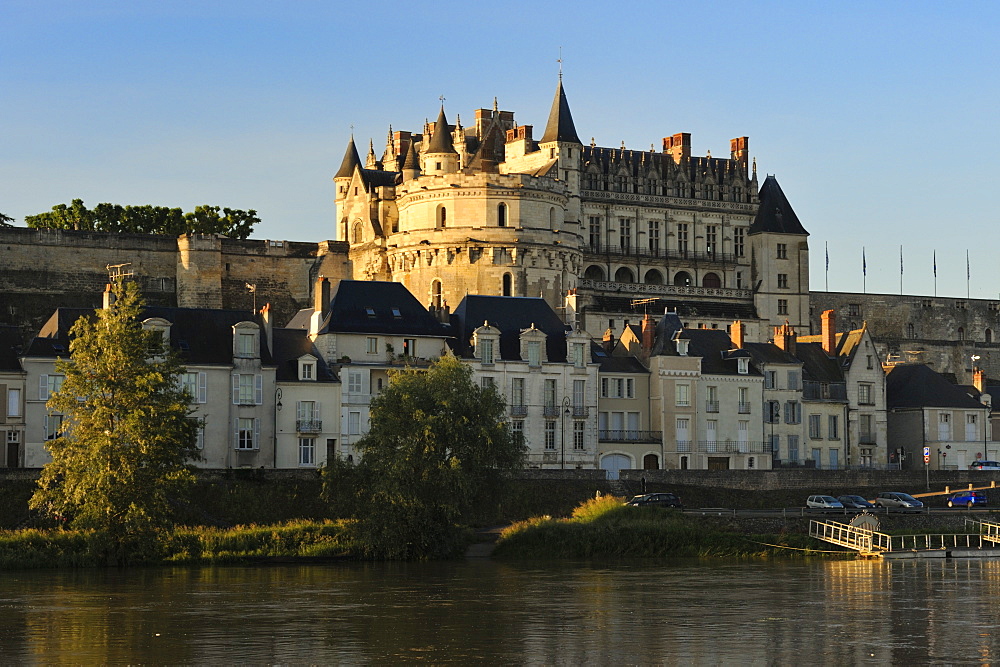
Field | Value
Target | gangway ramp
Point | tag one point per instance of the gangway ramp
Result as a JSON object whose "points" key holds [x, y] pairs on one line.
{"points": [[990, 531], [865, 541]]}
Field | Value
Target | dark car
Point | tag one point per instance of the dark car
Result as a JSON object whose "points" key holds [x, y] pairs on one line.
{"points": [[967, 498], [655, 500], [897, 500], [855, 503]]}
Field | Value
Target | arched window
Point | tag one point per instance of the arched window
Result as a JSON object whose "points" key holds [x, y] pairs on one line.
{"points": [[436, 298], [442, 217], [711, 280], [552, 218], [624, 275], [911, 333], [989, 335], [653, 277], [502, 215], [961, 333], [682, 279], [507, 284], [359, 234], [594, 272], [650, 462]]}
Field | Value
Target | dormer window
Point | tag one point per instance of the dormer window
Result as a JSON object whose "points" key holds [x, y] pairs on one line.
{"points": [[743, 365], [307, 371], [682, 346], [486, 350], [534, 353], [246, 340], [161, 326], [485, 340]]}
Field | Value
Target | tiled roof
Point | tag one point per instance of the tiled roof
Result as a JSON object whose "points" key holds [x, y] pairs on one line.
{"points": [[769, 353], [775, 214]]}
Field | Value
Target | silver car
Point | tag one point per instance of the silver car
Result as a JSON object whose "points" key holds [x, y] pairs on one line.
{"points": [[824, 502], [897, 500]]}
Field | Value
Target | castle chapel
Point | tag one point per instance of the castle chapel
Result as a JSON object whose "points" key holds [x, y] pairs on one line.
{"points": [[606, 233]]}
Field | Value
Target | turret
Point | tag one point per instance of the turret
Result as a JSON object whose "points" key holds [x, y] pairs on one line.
{"points": [[440, 156], [343, 176], [561, 143], [411, 164]]}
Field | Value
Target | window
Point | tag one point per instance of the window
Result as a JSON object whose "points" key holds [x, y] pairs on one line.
{"points": [[711, 239], [595, 232], [579, 393], [793, 380], [793, 412], [793, 448], [739, 241], [13, 402], [833, 428], [502, 215], [579, 352], [814, 426], [782, 306], [517, 391], [971, 432], [248, 389], [353, 423], [782, 281], [534, 353], [199, 439], [742, 364], [442, 216], [770, 379], [372, 345], [782, 251], [486, 351], [683, 395], [409, 347], [550, 434], [52, 425], [48, 385], [854, 309], [246, 344], [507, 285], [682, 346], [617, 387], [578, 435], [866, 424], [307, 415], [944, 426], [865, 394], [712, 400], [488, 382], [307, 371], [682, 238], [307, 451], [654, 237], [871, 362], [744, 396], [354, 382], [550, 393], [625, 233], [196, 385], [247, 434], [517, 427]]}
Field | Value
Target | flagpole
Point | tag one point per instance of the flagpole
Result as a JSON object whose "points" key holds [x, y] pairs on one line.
{"points": [[864, 271], [935, 273], [900, 270], [827, 266], [968, 274]]}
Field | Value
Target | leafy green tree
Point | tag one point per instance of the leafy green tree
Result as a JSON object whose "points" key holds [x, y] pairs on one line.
{"points": [[121, 457], [439, 449], [6, 220], [147, 219]]}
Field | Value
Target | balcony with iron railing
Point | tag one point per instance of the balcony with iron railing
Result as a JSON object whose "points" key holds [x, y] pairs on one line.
{"points": [[711, 406], [550, 410], [518, 410], [629, 435], [733, 447], [744, 408], [308, 425], [664, 290], [866, 438], [684, 446], [657, 253], [580, 411]]}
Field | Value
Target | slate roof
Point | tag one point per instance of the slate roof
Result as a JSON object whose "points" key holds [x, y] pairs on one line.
{"points": [[289, 345], [509, 314], [816, 365], [375, 307], [775, 214], [560, 125], [769, 353], [441, 141], [200, 335], [379, 178], [351, 160], [10, 346], [712, 345], [621, 365], [663, 336], [846, 344], [917, 386]]}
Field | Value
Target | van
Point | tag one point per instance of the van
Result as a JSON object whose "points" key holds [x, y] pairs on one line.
{"points": [[985, 465]]}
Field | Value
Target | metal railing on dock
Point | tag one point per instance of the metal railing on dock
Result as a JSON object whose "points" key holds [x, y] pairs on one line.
{"points": [[860, 539]]}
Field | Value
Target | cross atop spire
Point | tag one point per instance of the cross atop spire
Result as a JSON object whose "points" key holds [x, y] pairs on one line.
{"points": [[560, 61]]}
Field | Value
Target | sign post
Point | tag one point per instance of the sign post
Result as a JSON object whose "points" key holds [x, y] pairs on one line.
{"points": [[927, 469]]}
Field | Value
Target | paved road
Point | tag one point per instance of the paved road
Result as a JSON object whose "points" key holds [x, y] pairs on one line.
{"points": [[831, 513]]}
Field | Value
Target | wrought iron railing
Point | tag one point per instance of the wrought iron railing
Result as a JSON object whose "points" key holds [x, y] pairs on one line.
{"points": [[744, 408], [629, 435], [308, 425], [519, 410], [733, 447], [550, 410], [667, 290], [620, 250], [580, 410], [711, 406]]}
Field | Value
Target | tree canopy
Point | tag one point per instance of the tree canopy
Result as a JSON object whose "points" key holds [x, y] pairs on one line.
{"points": [[439, 448], [147, 219], [126, 436], [6, 220]]}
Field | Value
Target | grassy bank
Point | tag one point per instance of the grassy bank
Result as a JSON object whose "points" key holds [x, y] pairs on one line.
{"points": [[605, 528]]}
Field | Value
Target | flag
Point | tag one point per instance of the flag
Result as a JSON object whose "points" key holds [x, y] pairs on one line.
{"points": [[864, 262], [968, 269], [900, 260], [827, 255], [935, 263]]}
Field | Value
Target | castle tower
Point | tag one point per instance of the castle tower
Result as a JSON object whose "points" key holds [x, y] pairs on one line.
{"points": [[440, 156], [343, 178], [561, 143], [779, 260]]}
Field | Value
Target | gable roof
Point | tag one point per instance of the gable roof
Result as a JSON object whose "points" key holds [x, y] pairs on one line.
{"points": [[511, 315], [373, 306], [289, 346], [714, 346], [560, 125], [846, 344], [816, 365], [769, 353], [917, 386], [775, 214]]}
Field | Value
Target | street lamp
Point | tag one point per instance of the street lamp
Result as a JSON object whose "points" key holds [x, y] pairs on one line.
{"points": [[566, 413]]}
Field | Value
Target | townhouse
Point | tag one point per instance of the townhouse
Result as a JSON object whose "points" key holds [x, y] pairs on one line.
{"points": [[12, 394]]}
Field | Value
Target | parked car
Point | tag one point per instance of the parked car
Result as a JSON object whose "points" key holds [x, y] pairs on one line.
{"points": [[855, 503], [824, 502], [898, 500], [655, 500], [985, 465], [967, 498]]}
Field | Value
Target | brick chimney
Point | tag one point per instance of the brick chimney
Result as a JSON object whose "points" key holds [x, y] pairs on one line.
{"points": [[608, 342], [784, 337], [321, 296], [648, 333], [979, 379], [829, 332], [737, 333]]}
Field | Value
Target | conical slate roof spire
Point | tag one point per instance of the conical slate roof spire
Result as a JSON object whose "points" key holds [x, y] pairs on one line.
{"points": [[441, 139], [560, 126], [351, 160], [775, 214]]}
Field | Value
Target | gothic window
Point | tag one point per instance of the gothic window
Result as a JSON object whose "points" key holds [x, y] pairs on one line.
{"points": [[502, 215], [911, 333], [961, 333], [442, 217], [989, 335], [359, 234]]}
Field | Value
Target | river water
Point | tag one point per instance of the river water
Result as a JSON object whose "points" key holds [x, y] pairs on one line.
{"points": [[676, 612]]}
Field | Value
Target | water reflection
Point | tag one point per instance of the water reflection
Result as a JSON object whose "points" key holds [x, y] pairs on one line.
{"points": [[637, 613]]}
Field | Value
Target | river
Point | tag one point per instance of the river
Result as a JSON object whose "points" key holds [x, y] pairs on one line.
{"points": [[676, 612]]}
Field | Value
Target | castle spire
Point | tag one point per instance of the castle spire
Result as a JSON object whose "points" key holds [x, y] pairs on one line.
{"points": [[351, 160], [411, 165], [441, 138], [560, 126]]}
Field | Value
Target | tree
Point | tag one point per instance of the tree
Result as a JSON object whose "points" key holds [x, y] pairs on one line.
{"points": [[6, 220], [147, 219], [120, 458], [439, 449]]}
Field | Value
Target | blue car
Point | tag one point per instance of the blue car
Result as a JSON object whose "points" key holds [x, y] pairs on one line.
{"points": [[967, 498]]}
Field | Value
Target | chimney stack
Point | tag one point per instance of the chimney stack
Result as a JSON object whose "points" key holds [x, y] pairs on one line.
{"points": [[321, 296], [784, 337], [109, 297], [829, 332], [648, 333], [268, 318], [608, 342], [979, 379], [737, 333]]}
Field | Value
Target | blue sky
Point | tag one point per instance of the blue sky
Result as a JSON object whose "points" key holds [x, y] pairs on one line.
{"points": [[877, 118]]}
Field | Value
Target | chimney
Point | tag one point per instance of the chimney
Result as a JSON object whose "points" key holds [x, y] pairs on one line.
{"points": [[608, 342], [979, 379], [321, 296], [829, 333], [109, 297], [737, 333], [648, 333], [784, 337], [265, 314]]}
